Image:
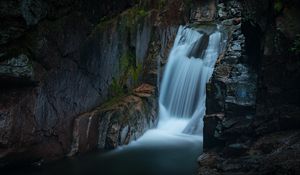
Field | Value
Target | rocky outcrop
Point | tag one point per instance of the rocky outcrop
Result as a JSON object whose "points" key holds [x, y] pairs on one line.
{"points": [[251, 113], [275, 153], [117, 122], [231, 93], [60, 60], [203, 11]]}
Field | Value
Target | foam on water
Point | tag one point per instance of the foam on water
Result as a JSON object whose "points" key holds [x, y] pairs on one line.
{"points": [[182, 94]]}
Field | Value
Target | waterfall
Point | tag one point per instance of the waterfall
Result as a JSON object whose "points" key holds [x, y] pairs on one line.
{"points": [[190, 65], [183, 89], [173, 147]]}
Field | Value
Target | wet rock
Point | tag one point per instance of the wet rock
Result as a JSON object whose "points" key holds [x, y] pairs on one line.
{"points": [[208, 159], [203, 12], [75, 64], [227, 22], [228, 123], [259, 123], [158, 53], [211, 122], [237, 21], [235, 149], [222, 14], [232, 92], [117, 122], [122, 63], [74, 56], [85, 133], [280, 150], [208, 164]]}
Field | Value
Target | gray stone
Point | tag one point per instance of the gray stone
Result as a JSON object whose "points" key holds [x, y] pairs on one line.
{"points": [[19, 66], [33, 11]]}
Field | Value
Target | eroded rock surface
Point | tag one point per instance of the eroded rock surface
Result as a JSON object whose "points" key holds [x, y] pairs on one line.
{"points": [[59, 60], [117, 122], [250, 126]]}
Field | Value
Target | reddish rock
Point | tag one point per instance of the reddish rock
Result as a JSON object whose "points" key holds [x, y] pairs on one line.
{"points": [[117, 122], [237, 21]]}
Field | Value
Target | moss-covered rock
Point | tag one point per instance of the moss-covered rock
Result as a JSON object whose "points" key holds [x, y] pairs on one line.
{"points": [[116, 122]]}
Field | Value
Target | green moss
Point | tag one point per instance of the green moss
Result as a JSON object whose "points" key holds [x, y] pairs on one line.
{"points": [[133, 16], [162, 4], [130, 69], [104, 23], [116, 88], [136, 72], [278, 5], [126, 24], [104, 18], [142, 13], [126, 61]]}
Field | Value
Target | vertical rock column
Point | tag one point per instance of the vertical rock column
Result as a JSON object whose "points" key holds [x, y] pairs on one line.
{"points": [[231, 93]]}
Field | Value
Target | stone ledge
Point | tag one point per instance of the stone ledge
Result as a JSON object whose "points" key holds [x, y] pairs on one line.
{"points": [[117, 122]]}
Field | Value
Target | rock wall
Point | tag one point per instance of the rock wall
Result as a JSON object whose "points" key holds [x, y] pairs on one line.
{"points": [[231, 93], [60, 61], [116, 122], [64, 63], [252, 119]]}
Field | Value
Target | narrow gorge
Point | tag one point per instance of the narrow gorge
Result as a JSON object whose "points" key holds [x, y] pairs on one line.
{"points": [[149, 87]]}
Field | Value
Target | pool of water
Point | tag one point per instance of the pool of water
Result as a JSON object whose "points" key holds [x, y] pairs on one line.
{"points": [[156, 153]]}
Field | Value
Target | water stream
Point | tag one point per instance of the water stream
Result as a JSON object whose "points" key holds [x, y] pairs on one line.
{"points": [[173, 147]]}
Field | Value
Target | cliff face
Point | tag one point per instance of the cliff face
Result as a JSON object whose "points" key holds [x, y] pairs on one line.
{"points": [[43, 83], [71, 71], [252, 123], [61, 61], [117, 122]]}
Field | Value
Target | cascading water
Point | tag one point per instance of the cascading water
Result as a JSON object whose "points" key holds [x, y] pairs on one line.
{"points": [[189, 67], [173, 147], [181, 105]]}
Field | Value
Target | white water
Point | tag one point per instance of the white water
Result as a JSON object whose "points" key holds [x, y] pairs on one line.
{"points": [[178, 135], [173, 147], [182, 94]]}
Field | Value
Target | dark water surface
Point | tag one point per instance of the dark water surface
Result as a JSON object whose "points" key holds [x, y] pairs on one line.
{"points": [[155, 153]]}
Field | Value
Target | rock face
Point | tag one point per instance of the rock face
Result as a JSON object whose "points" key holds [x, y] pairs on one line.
{"points": [[275, 153], [61, 61], [252, 109], [68, 70], [117, 122], [231, 93]]}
